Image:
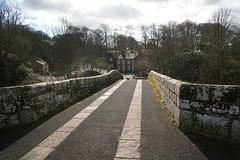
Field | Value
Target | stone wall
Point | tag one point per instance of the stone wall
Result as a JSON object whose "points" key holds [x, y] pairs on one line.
{"points": [[212, 110], [20, 105]]}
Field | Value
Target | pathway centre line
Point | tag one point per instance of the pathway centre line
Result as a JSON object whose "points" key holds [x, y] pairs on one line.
{"points": [[130, 140], [50, 143]]}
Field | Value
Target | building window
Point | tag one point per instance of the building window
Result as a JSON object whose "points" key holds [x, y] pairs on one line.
{"points": [[129, 61], [123, 61], [110, 59], [118, 61], [119, 67], [112, 66], [129, 67], [123, 68]]}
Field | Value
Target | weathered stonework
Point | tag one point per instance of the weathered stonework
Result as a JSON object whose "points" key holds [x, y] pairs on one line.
{"points": [[20, 105], [213, 110]]}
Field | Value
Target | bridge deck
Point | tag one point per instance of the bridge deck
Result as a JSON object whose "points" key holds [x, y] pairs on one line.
{"points": [[124, 121]]}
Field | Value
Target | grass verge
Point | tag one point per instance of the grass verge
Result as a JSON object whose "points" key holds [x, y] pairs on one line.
{"points": [[161, 100]]}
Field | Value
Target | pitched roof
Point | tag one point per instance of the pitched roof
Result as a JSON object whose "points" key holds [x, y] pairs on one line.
{"points": [[124, 55]]}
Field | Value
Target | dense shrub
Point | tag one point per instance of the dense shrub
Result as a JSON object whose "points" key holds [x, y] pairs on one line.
{"points": [[17, 71], [195, 66]]}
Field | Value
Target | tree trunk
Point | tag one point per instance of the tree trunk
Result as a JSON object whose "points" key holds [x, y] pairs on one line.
{"points": [[5, 64]]}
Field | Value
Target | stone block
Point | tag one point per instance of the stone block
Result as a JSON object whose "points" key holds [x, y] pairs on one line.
{"points": [[231, 95], [54, 139], [210, 124], [185, 92], [185, 120], [174, 98], [128, 149], [14, 120], [171, 95], [27, 116], [131, 133], [234, 110], [202, 92], [133, 123], [176, 114], [177, 88], [38, 153], [178, 101], [184, 104], [3, 118], [171, 84], [195, 105], [217, 93], [235, 134], [8, 108]]}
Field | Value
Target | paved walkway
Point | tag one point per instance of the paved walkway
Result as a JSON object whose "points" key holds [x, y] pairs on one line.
{"points": [[128, 76], [124, 121]]}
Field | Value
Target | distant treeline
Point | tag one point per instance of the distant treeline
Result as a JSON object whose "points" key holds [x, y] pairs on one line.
{"points": [[204, 53], [201, 53]]}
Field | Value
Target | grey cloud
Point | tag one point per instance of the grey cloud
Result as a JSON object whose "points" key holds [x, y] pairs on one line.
{"points": [[211, 2], [119, 11], [236, 14], [147, 1], [47, 5], [80, 20]]}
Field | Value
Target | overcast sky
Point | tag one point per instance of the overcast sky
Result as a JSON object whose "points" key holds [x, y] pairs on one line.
{"points": [[117, 13]]}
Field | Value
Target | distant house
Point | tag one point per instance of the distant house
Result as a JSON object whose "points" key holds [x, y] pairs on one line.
{"points": [[41, 66], [123, 62]]}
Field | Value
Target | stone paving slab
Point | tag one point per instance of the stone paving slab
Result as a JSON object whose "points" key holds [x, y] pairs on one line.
{"points": [[127, 149], [131, 133], [103, 97], [126, 158], [88, 110], [93, 107], [136, 102], [65, 128], [135, 110], [132, 123], [54, 139], [129, 145], [134, 115], [81, 115], [74, 122], [97, 102], [38, 153], [135, 106]]}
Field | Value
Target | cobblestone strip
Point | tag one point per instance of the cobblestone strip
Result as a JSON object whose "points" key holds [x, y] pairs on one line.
{"points": [[130, 140], [50, 143]]}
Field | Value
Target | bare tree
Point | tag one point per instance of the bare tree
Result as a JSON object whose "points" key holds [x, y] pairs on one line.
{"points": [[144, 30], [222, 22], [129, 30], [66, 46], [187, 36], [105, 28], [10, 27]]}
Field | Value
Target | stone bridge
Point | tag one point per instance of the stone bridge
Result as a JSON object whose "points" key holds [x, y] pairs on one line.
{"points": [[122, 121]]}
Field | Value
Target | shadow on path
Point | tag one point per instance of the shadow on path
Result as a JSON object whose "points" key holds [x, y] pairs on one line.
{"points": [[214, 149], [10, 136]]}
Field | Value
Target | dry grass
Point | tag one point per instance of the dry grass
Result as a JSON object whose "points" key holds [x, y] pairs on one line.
{"points": [[155, 90], [159, 99]]}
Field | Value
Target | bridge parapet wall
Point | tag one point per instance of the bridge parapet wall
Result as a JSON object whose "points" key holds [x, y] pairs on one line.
{"points": [[20, 105], [213, 110]]}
